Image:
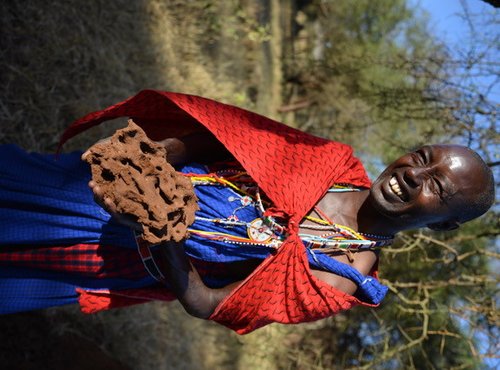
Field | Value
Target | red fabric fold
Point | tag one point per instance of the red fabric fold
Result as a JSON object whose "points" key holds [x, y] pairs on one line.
{"points": [[293, 168], [281, 290], [92, 301]]}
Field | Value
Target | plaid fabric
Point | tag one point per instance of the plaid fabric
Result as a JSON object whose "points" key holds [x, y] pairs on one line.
{"points": [[292, 168], [54, 238], [91, 260]]}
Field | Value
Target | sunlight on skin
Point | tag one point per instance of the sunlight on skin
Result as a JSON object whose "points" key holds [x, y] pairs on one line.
{"points": [[456, 163]]}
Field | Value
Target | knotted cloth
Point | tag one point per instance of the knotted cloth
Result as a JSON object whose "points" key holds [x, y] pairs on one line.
{"points": [[293, 168]]}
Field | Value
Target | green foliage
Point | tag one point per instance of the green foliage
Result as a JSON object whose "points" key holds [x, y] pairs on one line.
{"points": [[363, 74], [366, 72], [374, 77], [440, 309]]}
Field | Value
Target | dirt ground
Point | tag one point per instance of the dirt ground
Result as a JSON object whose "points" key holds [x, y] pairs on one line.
{"points": [[63, 59]]}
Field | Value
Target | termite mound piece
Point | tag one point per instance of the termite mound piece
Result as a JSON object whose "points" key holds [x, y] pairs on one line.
{"points": [[133, 172]]}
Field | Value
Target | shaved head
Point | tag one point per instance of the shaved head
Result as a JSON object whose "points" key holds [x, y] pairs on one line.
{"points": [[438, 186], [485, 197]]}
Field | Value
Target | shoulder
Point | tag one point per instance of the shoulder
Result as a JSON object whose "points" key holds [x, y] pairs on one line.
{"points": [[363, 262]]}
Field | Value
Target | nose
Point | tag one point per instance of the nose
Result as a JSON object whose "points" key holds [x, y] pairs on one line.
{"points": [[414, 176]]}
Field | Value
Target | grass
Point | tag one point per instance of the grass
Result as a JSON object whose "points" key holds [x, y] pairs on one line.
{"points": [[63, 59]]}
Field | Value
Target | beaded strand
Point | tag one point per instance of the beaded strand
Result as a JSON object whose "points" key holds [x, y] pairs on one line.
{"points": [[337, 237]]}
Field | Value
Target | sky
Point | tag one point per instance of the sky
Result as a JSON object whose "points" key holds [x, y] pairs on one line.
{"points": [[446, 23]]}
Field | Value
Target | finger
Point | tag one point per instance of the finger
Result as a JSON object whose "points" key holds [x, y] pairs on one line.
{"points": [[100, 201], [110, 206], [97, 190], [99, 196], [85, 155]]}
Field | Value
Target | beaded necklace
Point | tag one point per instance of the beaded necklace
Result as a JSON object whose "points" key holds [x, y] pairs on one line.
{"points": [[243, 185], [267, 232]]}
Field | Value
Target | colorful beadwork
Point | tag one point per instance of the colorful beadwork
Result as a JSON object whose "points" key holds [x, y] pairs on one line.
{"points": [[266, 231], [259, 231]]}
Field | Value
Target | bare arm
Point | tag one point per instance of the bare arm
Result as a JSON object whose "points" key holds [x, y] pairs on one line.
{"points": [[201, 147], [200, 301], [363, 262], [196, 298], [185, 282]]}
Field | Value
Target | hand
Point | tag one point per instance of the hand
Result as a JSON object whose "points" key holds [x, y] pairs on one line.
{"points": [[110, 207], [185, 282]]}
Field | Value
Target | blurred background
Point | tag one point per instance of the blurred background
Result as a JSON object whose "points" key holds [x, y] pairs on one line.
{"points": [[382, 75]]}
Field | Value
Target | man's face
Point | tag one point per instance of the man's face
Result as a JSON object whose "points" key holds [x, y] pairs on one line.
{"points": [[430, 185]]}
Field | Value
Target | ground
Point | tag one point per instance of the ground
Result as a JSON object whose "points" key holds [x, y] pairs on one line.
{"points": [[63, 59]]}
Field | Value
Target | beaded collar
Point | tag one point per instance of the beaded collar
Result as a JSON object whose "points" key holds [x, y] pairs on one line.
{"points": [[336, 238]]}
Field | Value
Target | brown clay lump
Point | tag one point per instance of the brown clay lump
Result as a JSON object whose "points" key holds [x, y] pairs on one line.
{"points": [[133, 171]]}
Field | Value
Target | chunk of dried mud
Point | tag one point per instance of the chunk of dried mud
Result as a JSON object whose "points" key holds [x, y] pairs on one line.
{"points": [[133, 171]]}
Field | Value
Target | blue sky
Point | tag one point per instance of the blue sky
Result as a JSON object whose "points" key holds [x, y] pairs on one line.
{"points": [[445, 20], [446, 23]]}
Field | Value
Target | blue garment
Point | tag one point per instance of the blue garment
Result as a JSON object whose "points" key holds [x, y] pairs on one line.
{"points": [[45, 201]]}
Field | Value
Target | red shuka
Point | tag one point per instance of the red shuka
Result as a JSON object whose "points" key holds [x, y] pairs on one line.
{"points": [[293, 168]]}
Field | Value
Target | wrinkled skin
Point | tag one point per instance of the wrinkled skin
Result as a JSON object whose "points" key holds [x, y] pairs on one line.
{"points": [[436, 183], [432, 187]]}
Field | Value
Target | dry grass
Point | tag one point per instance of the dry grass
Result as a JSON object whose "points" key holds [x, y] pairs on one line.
{"points": [[62, 59]]}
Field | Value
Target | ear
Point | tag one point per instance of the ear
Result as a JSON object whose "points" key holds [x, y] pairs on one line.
{"points": [[444, 226]]}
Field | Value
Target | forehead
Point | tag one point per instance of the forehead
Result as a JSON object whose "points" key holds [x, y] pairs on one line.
{"points": [[454, 156], [458, 164]]}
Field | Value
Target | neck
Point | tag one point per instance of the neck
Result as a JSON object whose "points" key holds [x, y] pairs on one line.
{"points": [[373, 222], [355, 211]]}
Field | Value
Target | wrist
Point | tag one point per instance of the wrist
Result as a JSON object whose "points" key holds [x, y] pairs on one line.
{"points": [[176, 151]]}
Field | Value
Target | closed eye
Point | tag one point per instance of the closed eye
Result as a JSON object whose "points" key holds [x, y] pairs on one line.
{"points": [[419, 157], [440, 189], [423, 155]]}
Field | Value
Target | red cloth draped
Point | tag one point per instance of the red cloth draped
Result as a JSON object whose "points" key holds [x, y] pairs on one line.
{"points": [[293, 168]]}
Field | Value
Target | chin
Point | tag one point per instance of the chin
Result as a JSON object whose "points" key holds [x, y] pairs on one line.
{"points": [[391, 210]]}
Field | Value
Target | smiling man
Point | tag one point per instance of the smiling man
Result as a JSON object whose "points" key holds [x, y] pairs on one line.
{"points": [[288, 228], [437, 186]]}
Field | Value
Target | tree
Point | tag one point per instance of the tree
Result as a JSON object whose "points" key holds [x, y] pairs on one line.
{"points": [[371, 73], [494, 3]]}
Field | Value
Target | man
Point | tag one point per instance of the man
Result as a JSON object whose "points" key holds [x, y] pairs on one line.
{"points": [[291, 283]]}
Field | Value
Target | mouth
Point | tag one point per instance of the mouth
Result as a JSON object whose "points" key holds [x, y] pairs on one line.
{"points": [[396, 188]]}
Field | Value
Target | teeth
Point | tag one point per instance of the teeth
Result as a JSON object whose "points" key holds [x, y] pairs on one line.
{"points": [[395, 187]]}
